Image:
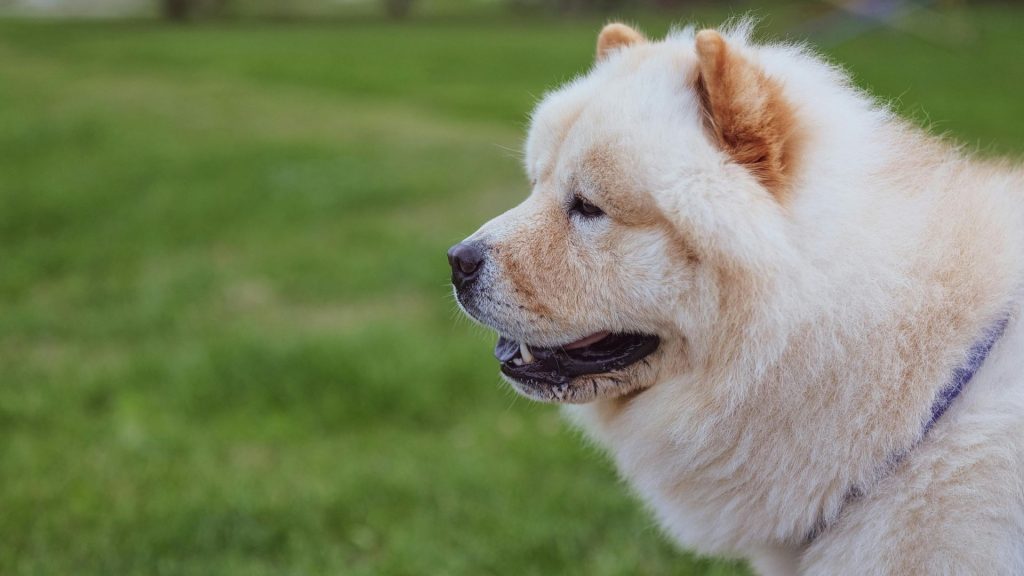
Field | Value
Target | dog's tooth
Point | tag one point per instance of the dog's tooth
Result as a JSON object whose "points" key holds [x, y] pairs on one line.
{"points": [[517, 361], [525, 351]]}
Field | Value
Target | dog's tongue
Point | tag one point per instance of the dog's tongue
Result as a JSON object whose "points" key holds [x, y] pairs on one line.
{"points": [[506, 349], [584, 342]]}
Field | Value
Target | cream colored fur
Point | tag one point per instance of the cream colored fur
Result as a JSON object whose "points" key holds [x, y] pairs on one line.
{"points": [[804, 336]]}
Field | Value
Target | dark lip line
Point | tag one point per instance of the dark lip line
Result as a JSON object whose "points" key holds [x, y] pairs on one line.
{"points": [[557, 366]]}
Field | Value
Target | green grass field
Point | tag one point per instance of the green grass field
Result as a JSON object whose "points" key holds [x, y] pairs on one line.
{"points": [[227, 344]]}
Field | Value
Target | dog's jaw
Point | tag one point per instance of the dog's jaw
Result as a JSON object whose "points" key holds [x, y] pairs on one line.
{"points": [[587, 389]]}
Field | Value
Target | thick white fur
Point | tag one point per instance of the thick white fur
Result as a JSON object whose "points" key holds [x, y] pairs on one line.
{"points": [[891, 255]]}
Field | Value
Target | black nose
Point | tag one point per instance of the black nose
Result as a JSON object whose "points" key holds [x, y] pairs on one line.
{"points": [[466, 260]]}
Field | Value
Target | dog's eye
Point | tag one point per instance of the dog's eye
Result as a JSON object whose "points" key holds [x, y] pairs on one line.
{"points": [[585, 209]]}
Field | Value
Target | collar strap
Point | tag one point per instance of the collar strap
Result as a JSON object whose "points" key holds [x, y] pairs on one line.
{"points": [[961, 376]]}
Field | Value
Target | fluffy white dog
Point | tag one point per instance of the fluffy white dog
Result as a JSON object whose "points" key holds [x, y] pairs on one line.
{"points": [[790, 316]]}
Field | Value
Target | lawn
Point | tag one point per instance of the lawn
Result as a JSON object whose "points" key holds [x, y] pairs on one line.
{"points": [[226, 337]]}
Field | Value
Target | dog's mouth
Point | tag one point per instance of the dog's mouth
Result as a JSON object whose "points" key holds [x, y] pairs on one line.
{"points": [[599, 353]]}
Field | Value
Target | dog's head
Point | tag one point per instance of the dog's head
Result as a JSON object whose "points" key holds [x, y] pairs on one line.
{"points": [[657, 180]]}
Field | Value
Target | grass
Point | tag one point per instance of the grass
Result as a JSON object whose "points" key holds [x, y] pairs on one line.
{"points": [[226, 336]]}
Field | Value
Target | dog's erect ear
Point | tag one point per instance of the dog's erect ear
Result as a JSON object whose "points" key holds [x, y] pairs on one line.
{"points": [[746, 112], [616, 35]]}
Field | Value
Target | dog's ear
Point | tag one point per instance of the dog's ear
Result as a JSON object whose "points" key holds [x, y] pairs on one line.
{"points": [[614, 36], [746, 112]]}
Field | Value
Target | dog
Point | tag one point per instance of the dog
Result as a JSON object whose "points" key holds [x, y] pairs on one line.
{"points": [[788, 315]]}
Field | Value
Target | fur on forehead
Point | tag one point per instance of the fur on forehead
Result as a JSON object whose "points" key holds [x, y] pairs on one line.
{"points": [[626, 91], [645, 84], [641, 99]]}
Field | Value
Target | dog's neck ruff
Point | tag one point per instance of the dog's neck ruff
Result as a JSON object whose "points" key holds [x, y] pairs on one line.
{"points": [[961, 376]]}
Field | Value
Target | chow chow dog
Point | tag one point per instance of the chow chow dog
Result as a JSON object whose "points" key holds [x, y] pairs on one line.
{"points": [[789, 315]]}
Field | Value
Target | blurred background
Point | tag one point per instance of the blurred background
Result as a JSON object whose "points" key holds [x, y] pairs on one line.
{"points": [[227, 342]]}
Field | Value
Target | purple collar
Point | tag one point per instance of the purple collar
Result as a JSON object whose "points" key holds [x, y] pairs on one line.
{"points": [[961, 376]]}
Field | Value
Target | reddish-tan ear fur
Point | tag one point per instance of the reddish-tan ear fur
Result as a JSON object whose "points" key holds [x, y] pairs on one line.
{"points": [[746, 111], [616, 35]]}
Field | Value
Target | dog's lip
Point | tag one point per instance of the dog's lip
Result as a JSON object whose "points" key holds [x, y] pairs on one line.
{"points": [[599, 353]]}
